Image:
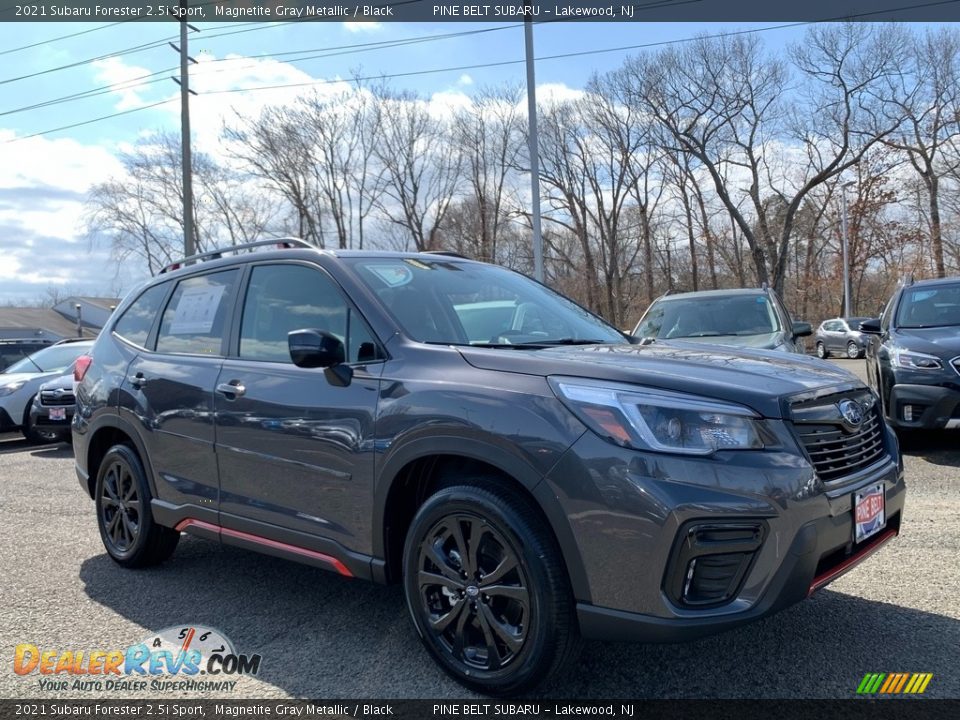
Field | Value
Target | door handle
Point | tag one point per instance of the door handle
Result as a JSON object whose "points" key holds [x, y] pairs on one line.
{"points": [[138, 380], [232, 390]]}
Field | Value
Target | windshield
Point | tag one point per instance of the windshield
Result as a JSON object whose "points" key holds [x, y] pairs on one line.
{"points": [[924, 307], [709, 317], [56, 358], [449, 302]]}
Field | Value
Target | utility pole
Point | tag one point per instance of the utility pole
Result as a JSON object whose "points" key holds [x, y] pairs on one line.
{"points": [[534, 147], [189, 238], [846, 262]]}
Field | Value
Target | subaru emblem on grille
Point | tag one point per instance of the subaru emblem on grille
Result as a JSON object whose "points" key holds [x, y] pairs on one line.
{"points": [[851, 411], [58, 393]]}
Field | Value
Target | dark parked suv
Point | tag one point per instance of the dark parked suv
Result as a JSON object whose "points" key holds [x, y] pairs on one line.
{"points": [[913, 358], [527, 473]]}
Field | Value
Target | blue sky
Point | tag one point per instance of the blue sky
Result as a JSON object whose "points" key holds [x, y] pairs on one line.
{"points": [[43, 180]]}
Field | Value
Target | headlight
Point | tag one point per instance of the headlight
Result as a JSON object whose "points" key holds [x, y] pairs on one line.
{"points": [[659, 420], [11, 388], [914, 361]]}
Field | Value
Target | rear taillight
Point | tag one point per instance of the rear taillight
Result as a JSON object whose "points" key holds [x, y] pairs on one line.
{"points": [[81, 366]]}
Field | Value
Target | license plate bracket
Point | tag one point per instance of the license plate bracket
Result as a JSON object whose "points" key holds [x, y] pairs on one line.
{"points": [[869, 512]]}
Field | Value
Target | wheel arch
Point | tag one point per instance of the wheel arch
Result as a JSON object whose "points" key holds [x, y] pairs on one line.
{"points": [[411, 475], [113, 430]]}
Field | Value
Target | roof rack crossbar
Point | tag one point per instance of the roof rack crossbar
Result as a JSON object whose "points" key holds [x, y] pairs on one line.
{"points": [[284, 242]]}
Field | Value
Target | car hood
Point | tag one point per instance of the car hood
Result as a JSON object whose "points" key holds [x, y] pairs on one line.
{"points": [[758, 379], [64, 382], [8, 378], [942, 341]]}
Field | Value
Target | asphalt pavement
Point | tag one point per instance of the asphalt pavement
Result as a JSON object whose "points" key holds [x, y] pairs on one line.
{"points": [[321, 635]]}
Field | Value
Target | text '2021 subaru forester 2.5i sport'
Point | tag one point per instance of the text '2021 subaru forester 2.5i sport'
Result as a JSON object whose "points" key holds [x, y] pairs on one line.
{"points": [[527, 473]]}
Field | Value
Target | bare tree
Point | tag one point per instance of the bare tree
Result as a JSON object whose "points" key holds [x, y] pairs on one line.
{"points": [[927, 96], [421, 167], [490, 134]]}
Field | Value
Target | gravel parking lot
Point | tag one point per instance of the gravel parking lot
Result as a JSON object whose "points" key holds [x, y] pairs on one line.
{"points": [[324, 636]]}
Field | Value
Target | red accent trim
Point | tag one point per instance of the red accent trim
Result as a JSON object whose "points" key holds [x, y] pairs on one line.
{"points": [[183, 525], [833, 573]]}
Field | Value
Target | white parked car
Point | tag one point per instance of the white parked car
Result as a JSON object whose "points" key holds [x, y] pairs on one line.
{"points": [[22, 380]]}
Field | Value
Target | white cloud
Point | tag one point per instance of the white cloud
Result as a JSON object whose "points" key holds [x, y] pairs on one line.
{"points": [[365, 26], [130, 80], [557, 92], [465, 79]]}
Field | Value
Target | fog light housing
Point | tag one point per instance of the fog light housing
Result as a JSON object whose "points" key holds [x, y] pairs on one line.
{"points": [[710, 561], [908, 413]]}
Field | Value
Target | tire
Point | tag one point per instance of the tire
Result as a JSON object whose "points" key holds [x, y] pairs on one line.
{"points": [[497, 643], [822, 351], [853, 350], [135, 540], [33, 434]]}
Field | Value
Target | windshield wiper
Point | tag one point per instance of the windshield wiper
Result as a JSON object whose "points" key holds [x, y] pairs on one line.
{"points": [[562, 341]]}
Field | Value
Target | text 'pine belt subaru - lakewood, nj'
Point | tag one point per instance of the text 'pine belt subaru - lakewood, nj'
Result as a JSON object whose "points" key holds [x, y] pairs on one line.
{"points": [[527, 473]]}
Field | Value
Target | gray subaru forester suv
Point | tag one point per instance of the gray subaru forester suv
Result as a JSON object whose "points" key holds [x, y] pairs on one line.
{"points": [[525, 471]]}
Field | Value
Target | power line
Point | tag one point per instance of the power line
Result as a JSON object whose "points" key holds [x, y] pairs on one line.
{"points": [[62, 37], [144, 80], [502, 63]]}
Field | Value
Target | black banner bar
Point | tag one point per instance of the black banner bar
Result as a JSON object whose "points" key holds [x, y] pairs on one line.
{"points": [[488, 709], [482, 11]]}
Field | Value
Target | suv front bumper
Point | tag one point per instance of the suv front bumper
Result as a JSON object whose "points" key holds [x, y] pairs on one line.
{"points": [[629, 512], [933, 407]]}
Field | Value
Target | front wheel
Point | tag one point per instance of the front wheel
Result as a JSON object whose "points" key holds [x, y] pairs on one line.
{"points": [[853, 350], [822, 351], [130, 535], [487, 589]]}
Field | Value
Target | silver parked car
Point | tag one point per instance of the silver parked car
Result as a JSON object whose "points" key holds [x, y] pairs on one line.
{"points": [[841, 336]]}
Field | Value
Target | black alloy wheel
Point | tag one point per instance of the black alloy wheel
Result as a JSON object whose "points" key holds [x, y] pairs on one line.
{"points": [[120, 507], [127, 528], [487, 588], [473, 591]]}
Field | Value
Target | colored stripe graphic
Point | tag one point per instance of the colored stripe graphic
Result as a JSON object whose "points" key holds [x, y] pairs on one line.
{"points": [[894, 683]]}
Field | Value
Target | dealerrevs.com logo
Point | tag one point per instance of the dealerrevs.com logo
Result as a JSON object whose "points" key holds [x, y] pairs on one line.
{"points": [[178, 658]]}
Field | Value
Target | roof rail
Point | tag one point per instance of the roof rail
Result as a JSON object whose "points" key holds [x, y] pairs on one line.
{"points": [[907, 280], [445, 253], [280, 243]]}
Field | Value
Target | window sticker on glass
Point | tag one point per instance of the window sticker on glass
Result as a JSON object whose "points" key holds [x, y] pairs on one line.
{"points": [[196, 310], [393, 275]]}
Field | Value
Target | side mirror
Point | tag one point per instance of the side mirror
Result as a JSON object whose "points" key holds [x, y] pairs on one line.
{"points": [[871, 326], [802, 329], [320, 349], [314, 349]]}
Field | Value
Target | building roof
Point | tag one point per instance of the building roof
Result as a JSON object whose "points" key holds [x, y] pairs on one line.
{"points": [[31, 320]]}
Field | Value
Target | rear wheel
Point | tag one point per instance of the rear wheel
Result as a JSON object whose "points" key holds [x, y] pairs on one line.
{"points": [[129, 533], [853, 350], [822, 351], [487, 590]]}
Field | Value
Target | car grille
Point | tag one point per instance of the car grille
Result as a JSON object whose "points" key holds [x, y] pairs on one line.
{"points": [[52, 399], [837, 448]]}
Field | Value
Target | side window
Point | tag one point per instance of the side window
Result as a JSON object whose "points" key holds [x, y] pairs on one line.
{"points": [[196, 317], [135, 323], [283, 298]]}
